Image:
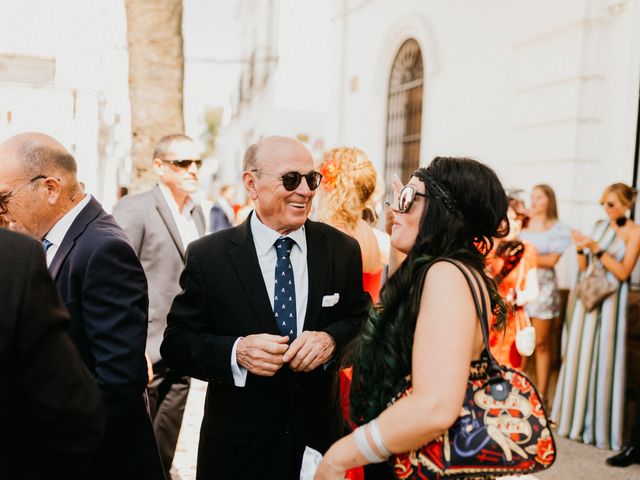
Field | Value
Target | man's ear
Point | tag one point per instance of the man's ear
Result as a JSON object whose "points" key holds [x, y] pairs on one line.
{"points": [[158, 167], [54, 189], [249, 185]]}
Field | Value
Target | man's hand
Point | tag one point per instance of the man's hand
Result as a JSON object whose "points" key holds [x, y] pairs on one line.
{"points": [[262, 353], [310, 350]]}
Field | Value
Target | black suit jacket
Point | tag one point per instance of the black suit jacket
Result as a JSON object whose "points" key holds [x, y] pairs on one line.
{"points": [[51, 415], [104, 287], [260, 430]]}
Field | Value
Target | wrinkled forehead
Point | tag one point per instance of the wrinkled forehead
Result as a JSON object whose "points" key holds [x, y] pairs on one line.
{"points": [[284, 155]]}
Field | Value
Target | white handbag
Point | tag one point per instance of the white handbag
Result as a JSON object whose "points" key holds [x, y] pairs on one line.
{"points": [[526, 338]]}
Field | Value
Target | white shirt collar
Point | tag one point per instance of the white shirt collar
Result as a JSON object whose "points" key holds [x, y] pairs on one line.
{"points": [[264, 237], [173, 205], [59, 230]]}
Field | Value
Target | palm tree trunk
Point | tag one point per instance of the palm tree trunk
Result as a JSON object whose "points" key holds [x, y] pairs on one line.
{"points": [[156, 73]]}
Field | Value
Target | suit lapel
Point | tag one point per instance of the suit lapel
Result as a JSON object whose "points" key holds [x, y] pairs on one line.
{"points": [[318, 269], [245, 261], [198, 219], [167, 218], [86, 216]]}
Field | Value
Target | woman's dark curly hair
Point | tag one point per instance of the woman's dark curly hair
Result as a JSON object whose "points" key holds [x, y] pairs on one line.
{"points": [[466, 207]]}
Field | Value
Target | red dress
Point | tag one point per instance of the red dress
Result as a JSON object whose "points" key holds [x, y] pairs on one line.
{"points": [[371, 282], [509, 267], [345, 389]]}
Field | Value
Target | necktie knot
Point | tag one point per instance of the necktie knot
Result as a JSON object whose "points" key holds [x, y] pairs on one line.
{"points": [[46, 244], [284, 246]]}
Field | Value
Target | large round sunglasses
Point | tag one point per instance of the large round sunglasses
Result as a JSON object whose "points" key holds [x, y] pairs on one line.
{"points": [[292, 180], [407, 197]]}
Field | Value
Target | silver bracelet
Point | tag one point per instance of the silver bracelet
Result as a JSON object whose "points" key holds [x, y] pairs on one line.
{"points": [[362, 444], [377, 438]]}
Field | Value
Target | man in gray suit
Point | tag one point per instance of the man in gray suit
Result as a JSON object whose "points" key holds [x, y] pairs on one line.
{"points": [[160, 223]]}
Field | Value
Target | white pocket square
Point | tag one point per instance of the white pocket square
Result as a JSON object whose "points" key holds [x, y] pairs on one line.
{"points": [[330, 300]]}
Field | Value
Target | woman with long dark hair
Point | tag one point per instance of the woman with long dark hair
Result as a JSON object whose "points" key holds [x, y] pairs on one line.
{"points": [[426, 325]]}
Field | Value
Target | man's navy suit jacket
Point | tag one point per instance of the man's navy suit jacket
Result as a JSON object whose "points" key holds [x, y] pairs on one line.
{"points": [[103, 286]]}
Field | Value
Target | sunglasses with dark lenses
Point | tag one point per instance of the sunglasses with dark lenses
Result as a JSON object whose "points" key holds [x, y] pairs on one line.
{"points": [[292, 180], [184, 164], [608, 204], [407, 197]]}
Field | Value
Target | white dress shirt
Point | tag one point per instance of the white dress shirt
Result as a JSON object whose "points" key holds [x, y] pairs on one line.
{"points": [[184, 220], [59, 230], [264, 239]]}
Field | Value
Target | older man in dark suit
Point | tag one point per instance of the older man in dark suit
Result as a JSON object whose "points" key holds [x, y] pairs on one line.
{"points": [[51, 415], [160, 223], [264, 309], [101, 283]]}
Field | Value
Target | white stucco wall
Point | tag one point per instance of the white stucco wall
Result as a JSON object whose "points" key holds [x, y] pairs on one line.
{"points": [[542, 91]]}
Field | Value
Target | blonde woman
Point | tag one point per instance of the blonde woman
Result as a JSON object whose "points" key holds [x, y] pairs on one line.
{"points": [[348, 182], [588, 404]]}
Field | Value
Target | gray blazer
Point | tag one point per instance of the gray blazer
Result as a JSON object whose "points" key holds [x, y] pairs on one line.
{"points": [[147, 221]]}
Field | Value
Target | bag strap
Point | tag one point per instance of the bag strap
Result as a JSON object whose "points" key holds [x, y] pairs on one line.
{"points": [[494, 371]]}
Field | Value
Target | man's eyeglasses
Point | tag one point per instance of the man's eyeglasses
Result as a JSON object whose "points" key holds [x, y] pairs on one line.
{"points": [[407, 197], [185, 164], [608, 204], [292, 180], [4, 198]]}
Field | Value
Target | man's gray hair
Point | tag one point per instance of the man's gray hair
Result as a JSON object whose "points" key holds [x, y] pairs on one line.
{"points": [[39, 159], [250, 161], [165, 144]]}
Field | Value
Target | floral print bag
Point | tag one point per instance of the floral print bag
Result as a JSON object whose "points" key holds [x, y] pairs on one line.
{"points": [[502, 428]]}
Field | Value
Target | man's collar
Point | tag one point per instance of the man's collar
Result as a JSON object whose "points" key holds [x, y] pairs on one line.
{"points": [[264, 237], [173, 205], [57, 233]]}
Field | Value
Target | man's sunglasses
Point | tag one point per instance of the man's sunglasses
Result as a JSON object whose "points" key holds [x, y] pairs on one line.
{"points": [[608, 204], [292, 180], [184, 164], [407, 197]]}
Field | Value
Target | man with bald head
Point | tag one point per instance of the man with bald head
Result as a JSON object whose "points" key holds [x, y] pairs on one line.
{"points": [[265, 308], [101, 283]]}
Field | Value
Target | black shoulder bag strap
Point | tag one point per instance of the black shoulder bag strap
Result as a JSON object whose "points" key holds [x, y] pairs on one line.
{"points": [[499, 387]]}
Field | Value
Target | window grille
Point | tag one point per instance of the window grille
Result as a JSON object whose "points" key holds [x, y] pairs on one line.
{"points": [[404, 114]]}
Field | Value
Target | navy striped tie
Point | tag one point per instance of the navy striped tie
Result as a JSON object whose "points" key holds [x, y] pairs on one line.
{"points": [[284, 299], [46, 244]]}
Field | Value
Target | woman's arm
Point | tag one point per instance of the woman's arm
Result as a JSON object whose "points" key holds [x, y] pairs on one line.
{"points": [[548, 260], [446, 332], [622, 270], [581, 242]]}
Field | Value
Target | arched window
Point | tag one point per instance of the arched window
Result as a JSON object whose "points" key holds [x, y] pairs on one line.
{"points": [[404, 113]]}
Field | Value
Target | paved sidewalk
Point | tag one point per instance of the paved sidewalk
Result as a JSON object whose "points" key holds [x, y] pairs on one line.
{"points": [[184, 462], [585, 462]]}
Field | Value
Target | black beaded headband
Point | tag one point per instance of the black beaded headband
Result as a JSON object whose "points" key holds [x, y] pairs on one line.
{"points": [[434, 189]]}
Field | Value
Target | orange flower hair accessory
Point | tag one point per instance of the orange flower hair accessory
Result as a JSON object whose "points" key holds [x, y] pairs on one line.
{"points": [[330, 171]]}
